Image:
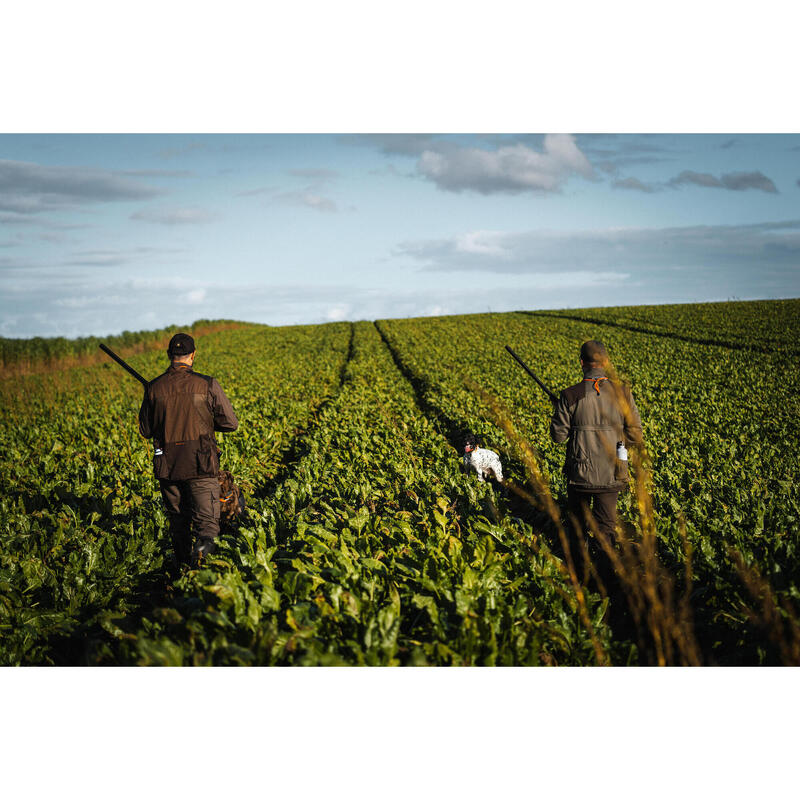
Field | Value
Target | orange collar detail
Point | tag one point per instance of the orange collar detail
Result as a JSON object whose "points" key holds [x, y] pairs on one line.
{"points": [[596, 381]]}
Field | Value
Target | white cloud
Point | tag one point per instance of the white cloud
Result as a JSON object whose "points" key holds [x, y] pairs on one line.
{"points": [[484, 243], [511, 169], [336, 313], [194, 297], [76, 306], [637, 250]]}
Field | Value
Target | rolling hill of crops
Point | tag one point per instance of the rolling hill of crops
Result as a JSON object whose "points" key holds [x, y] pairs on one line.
{"points": [[364, 542]]}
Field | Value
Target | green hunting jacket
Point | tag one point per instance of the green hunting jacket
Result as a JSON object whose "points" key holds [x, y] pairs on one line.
{"points": [[590, 416]]}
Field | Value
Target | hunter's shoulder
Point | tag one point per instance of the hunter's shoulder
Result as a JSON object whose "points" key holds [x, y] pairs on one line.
{"points": [[164, 376], [573, 393], [209, 379]]}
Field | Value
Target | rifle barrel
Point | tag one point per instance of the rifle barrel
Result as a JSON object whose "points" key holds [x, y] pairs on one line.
{"points": [[551, 395], [124, 365]]}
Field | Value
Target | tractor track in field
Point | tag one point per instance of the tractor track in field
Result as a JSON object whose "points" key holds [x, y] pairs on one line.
{"points": [[753, 348], [298, 445], [447, 427], [514, 504], [454, 432], [154, 589]]}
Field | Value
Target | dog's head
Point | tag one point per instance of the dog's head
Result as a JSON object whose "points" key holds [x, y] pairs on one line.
{"points": [[470, 443]]}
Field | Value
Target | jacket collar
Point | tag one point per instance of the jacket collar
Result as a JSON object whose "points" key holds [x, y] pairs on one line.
{"points": [[596, 372], [179, 368]]}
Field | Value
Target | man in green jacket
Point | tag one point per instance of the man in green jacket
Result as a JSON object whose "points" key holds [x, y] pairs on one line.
{"points": [[594, 416]]}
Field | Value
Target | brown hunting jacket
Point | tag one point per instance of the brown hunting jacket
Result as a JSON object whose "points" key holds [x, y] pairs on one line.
{"points": [[590, 414], [181, 410]]}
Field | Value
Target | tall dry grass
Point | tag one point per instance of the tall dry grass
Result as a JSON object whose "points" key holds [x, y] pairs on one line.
{"points": [[643, 593]]}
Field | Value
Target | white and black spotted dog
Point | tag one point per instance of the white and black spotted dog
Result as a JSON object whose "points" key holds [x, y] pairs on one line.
{"points": [[486, 463]]}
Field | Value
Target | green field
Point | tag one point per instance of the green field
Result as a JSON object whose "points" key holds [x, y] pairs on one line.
{"points": [[364, 542]]}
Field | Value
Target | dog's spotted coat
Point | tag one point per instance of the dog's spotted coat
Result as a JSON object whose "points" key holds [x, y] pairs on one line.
{"points": [[484, 462]]}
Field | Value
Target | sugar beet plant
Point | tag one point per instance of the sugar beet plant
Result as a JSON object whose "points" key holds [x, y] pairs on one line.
{"points": [[83, 531], [365, 544], [373, 549], [719, 424]]}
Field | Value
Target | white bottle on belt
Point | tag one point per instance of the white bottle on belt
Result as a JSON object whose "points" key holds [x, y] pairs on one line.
{"points": [[622, 453]]}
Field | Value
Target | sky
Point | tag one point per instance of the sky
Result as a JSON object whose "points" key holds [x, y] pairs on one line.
{"points": [[101, 233]]}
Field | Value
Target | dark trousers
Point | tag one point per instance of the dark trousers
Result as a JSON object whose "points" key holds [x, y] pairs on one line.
{"points": [[603, 507], [192, 506]]}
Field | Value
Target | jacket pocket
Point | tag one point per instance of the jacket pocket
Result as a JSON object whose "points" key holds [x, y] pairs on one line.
{"points": [[620, 470], [578, 470], [207, 458], [160, 468]]}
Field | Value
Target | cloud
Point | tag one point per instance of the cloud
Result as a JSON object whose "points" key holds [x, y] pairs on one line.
{"points": [[613, 166], [635, 184], [175, 216], [309, 196], [193, 297], [509, 169], [512, 164], [741, 181], [317, 176], [28, 188], [115, 258], [254, 192], [98, 259], [158, 173], [611, 152], [70, 308], [734, 181], [337, 313], [482, 243], [13, 218], [308, 199], [55, 303], [639, 251]]}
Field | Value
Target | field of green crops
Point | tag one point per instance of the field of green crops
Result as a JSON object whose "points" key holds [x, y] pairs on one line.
{"points": [[364, 543]]}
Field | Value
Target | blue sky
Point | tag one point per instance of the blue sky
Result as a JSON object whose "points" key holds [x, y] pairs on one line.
{"points": [[100, 233]]}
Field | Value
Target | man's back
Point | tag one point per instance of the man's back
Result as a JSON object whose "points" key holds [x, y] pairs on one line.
{"points": [[180, 411], [595, 414]]}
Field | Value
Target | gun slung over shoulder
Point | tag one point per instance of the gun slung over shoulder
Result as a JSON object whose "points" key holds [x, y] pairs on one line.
{"points": [[125, 365], [553, 397]]}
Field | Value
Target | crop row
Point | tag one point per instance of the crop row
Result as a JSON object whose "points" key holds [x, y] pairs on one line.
{"points": [[719, 426], [374, 549], [83, 531], [767, 326]]}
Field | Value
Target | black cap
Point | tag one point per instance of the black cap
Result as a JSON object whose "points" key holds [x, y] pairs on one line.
{"points": [[181, 344]]}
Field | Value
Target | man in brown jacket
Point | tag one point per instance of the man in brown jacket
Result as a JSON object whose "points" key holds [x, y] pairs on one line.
{"points": [[181, 410], [595, 415]]}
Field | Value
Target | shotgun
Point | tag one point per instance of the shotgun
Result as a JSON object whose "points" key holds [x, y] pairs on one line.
{"points": [[553, 397], [125, 366]]}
